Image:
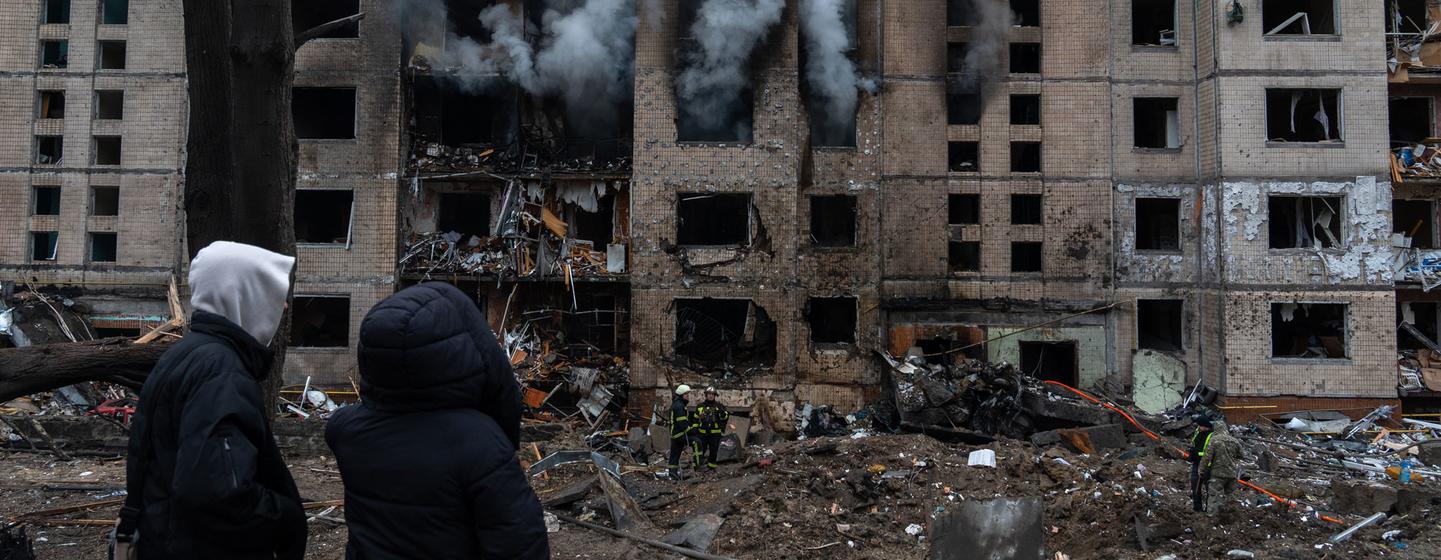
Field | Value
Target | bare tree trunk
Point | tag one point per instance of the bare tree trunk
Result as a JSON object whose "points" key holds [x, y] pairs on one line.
{"points": [[32, 369], [241, 151]]}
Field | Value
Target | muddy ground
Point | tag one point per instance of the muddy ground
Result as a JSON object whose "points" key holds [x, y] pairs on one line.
{"points": [[819, 499]]}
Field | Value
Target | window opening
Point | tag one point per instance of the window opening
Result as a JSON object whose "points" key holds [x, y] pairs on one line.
{"points": [[1026, 209], [1153, 22], [104, 201], [832, 319], [1025, 256], [964, 157], [323, 216], [1303, 115], [833, 221], [103, 246], [1157, 122], [1304, 222], [713, 219], [1025, 109], [965, 256], [964, 209], [1308, 330], [1050, 361], [47, 201], [320, 322], [324, 113], [1158, 224], [109, 104], [52, 104], [1299, 17], [1025, 157], [1159, 324]]}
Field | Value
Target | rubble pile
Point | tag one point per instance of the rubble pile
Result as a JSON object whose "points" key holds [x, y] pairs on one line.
{"points": [[1420, 370], [561, 380], [453, 252], [982, 396], [1422, 161]]}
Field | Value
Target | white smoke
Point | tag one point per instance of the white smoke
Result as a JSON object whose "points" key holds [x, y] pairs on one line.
{"points": [[586, 54], [717, 72], [829, 71], [984, 52]]}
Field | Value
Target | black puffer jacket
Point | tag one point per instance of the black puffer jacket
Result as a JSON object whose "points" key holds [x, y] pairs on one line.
{"points": [[215, 485], [428, 457]]}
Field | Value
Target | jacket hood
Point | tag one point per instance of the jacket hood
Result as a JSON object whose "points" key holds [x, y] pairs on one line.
{"points": [[428, 348], [245, 284]]}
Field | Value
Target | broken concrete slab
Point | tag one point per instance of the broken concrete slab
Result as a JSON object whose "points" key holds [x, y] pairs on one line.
{"points": [[1159, 380], [1362, 498], [569, 494], [1084, 440], [997, 529], [1414, 500], [624, 510], [697, 533]]}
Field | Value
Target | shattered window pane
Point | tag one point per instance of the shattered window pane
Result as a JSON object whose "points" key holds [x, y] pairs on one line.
{"points": [[1298, 17], [714, 332], [1305, 222], [1303, 115], [1308, 330]]}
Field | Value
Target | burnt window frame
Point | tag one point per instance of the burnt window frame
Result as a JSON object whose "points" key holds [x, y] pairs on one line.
{"points": [[91, 237], [749, 227], [855, 333], [1148, 101], [35, 199], [1180, 226], [349, 230], [1273, 313], [95, 190], [855, 213], [1338, 120], [1136, 6], [291, 342], [1268, 24], [1341, 233]]}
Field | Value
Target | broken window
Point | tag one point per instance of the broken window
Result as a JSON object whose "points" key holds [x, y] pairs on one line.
{"points": [[1411, 119], [54, 53], [52, 104], [713, 219], [1405, 16], [1158, 224], [111, 55], [107, 150], [49, 150], [961, 13], [733, 122], [323, 216], [1026, 13], [463, 212], [832, 319], [1025, 58], [323, 113], [1308, 330], [1303, 115], [1299, 17], [827, 128], [718, 332], [43, 245], [1157, 122], [964, 157], [1025, 157], [964, 209], [596, 227], [47, 201], [1415, 219], [1153, 22], [1026, 209], [117, 12], [56, 11], [104, 201], [1422, 315], [1025, 109], [964, 256], [313, 13], [109, 104], [103, 246], [963, 96], [1159, 324], [833, 221], [455, 117], [1025, 256], [956, 58], [1050, 361], [320, 322], [1304, 222]]}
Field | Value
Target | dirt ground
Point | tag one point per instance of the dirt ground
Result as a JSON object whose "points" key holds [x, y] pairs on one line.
{"points": [[818, 499]]}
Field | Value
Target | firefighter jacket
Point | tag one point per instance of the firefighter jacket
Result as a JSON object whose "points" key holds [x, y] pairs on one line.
{"points": [[680, 420], [711, 418]]}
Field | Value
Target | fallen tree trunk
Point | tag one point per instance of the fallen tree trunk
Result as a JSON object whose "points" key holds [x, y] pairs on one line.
{"points": [[29, 370]]}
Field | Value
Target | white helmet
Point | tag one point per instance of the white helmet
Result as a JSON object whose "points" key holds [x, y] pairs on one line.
{"points": [[683, 389]]}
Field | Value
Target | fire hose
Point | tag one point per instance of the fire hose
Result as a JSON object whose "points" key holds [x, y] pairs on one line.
{"points": [[1153, 435]]}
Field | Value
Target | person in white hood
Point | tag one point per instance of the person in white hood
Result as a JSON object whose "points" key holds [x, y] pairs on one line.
{"points": [[204, 477]]}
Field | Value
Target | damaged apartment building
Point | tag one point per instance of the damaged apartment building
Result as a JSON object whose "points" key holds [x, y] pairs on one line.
{"points": [[1133, 195]]}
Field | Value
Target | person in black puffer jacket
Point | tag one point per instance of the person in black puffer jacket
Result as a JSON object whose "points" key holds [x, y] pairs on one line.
{"points": [[203, 475], [428, 456]]}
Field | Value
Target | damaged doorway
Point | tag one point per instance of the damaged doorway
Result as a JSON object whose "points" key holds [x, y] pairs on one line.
{"points": [[1050, 361]]}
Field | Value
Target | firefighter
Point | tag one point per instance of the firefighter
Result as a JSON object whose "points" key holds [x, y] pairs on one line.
{"points": [[711, 417], [1195, 454], [682, 430]]}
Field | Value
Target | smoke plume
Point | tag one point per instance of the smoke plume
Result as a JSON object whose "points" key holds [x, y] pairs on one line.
{"points": [[585, 56], [983, 69], [717, 71], [829, 71]]}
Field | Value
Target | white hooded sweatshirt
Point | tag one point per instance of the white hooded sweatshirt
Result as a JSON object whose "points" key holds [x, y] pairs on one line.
{"points": [[243, 283]]}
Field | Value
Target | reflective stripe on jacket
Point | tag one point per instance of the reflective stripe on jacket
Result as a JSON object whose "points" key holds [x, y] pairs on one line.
{"points": [[711, 418]]}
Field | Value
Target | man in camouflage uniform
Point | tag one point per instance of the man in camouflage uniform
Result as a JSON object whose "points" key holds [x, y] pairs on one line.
{"points": [[1220, 468]]}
